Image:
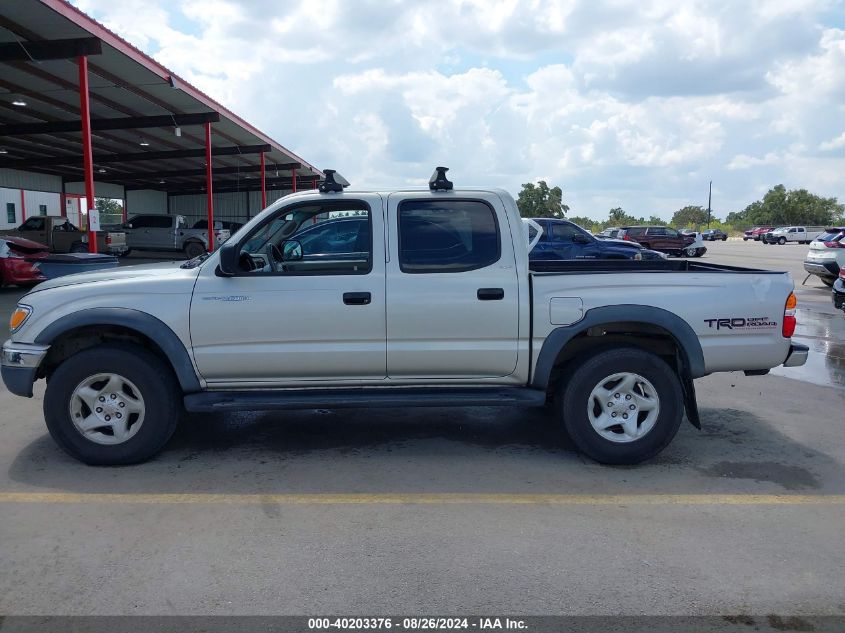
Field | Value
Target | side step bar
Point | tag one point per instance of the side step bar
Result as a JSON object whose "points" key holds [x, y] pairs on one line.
{"points": [[367, 397]]}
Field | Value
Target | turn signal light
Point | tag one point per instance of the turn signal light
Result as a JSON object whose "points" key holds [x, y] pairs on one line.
{"points": [[18, 317], [789, 321]]}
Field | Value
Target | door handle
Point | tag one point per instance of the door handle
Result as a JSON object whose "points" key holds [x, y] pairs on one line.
{"points": [[491, 294], [357, 298]]}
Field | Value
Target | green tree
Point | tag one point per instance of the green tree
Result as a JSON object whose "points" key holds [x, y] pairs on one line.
{"points": [[782, 207], [540, 201], [584, 222], [653, 219], [618, 217], [111, 210], [689, 216]]}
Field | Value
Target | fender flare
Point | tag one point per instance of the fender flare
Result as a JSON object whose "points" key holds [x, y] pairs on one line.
{"points": [[685, 337], [141, 322], [690, 355]]}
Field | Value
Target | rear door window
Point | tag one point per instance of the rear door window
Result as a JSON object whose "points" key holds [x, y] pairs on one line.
{"points": [[447, 236]]}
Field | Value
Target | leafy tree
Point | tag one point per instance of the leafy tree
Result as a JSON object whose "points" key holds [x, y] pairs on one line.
{"points": [[584, 222], [618, 217], [540, 201], [782, 207], [689, 216], [111, 210], [653, 219]]}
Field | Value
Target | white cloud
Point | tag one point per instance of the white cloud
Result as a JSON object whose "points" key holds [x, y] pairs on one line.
{"points": [[637, 103]]}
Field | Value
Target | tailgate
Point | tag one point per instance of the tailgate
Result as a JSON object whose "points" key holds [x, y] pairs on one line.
{"points": [[115, 239]]}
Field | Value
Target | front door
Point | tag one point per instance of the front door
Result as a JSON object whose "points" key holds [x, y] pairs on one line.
{"points": [[452, 291], [308, 304]]}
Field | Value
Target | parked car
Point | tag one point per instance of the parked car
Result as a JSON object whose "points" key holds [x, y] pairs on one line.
{"points": [[60, 236], [712, 235], [756, 233], [442, 307], [658, 238], [562, 239], [610, 233], [19, 261], [697, 248], [161, 232], [799, 234], [826, 257], [838, 291]]}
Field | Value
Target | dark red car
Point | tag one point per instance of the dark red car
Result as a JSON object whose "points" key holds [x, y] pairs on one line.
{"points": [[18, 261], [658, 238], [756, 233]]}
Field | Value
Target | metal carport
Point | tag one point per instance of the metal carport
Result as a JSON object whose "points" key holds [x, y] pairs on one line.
{"points": [[84, 111]]}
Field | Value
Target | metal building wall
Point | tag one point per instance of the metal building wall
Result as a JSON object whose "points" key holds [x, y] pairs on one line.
{"points": [[13, 197], [145, 201], [16, 179], [272, 196], [52, 203], [227, 206], [101, 189]]}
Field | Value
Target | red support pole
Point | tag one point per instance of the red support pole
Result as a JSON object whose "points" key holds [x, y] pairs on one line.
{"points": [[263, 185], [23, 207], [87, 152], [315, 182], [208, 187], [63, 205], [293, 178]]}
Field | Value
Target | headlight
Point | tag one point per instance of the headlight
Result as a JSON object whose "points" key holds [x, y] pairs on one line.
{"points": [[19, 317]]}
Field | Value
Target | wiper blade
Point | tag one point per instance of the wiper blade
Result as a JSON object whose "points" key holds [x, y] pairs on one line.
{"points": [[196, 261]]}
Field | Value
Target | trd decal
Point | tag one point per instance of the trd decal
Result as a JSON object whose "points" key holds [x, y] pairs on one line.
{"points": [[742, 323]]}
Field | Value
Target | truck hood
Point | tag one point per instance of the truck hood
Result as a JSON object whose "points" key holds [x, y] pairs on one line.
{"points": [[143, 272]]}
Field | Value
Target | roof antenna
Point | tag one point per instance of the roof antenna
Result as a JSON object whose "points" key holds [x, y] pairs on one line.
{"points": [[333, 182], [438, 180]]}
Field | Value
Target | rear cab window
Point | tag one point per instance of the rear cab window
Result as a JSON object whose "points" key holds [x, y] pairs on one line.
{"points": [[447, 236]]}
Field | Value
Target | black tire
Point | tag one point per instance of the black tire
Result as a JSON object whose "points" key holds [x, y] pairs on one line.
{"points": [[194, 249], [78, 247], [781, 241], [586, 376], [153, 378], [125, 253], [745, 239], [724, 238]]}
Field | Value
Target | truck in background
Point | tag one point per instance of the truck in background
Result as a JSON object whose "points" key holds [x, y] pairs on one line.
{"points": [[60, 236]]}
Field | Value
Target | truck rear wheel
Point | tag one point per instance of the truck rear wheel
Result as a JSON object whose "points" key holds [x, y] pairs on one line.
{"points": [[622, 406], [194, 249], [112, 404]]}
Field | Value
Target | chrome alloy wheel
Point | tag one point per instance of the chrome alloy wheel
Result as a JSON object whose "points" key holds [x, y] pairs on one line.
{"points": [[107, 408], [623, 407]]}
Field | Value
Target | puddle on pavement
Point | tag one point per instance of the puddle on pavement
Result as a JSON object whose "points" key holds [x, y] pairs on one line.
{"points": [[824, 334]]}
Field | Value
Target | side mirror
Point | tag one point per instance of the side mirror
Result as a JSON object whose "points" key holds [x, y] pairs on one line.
{"points": [[580, 238], [291, 251], [228, 264]]}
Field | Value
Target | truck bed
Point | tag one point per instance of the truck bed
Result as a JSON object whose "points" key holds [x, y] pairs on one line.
{"points": [[580, 266]]}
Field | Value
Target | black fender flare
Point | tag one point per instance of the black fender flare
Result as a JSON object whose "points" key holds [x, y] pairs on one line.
{"points": [[141, 322], [690, 354]]}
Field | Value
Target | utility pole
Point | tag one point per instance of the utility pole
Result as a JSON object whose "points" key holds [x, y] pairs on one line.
{"points": [[709, 198]]}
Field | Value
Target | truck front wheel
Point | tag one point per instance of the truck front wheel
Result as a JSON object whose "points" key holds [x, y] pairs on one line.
{"points": [[622, 406], [112, 404], [194, 249]]}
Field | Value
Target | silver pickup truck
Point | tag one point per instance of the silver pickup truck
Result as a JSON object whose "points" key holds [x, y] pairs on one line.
{"points": [[156, 232], [425, 298]]}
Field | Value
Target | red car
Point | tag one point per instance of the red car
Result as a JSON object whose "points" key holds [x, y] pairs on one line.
{"points": [[18, 261], [756, 233]]}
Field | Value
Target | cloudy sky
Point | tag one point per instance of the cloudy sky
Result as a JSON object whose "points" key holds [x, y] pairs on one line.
{"points": [[622, 103]]}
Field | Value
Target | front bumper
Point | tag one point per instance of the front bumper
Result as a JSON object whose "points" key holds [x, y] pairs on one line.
{"points": [[19, 366], [822, 269], [797, 355]]}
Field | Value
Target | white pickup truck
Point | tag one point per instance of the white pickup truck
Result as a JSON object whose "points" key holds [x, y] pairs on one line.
{"points": [[157, 232], [799, 234], [391, 299]]}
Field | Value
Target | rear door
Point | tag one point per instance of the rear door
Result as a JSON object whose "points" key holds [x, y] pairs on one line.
{"points": [[452, 290]]}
